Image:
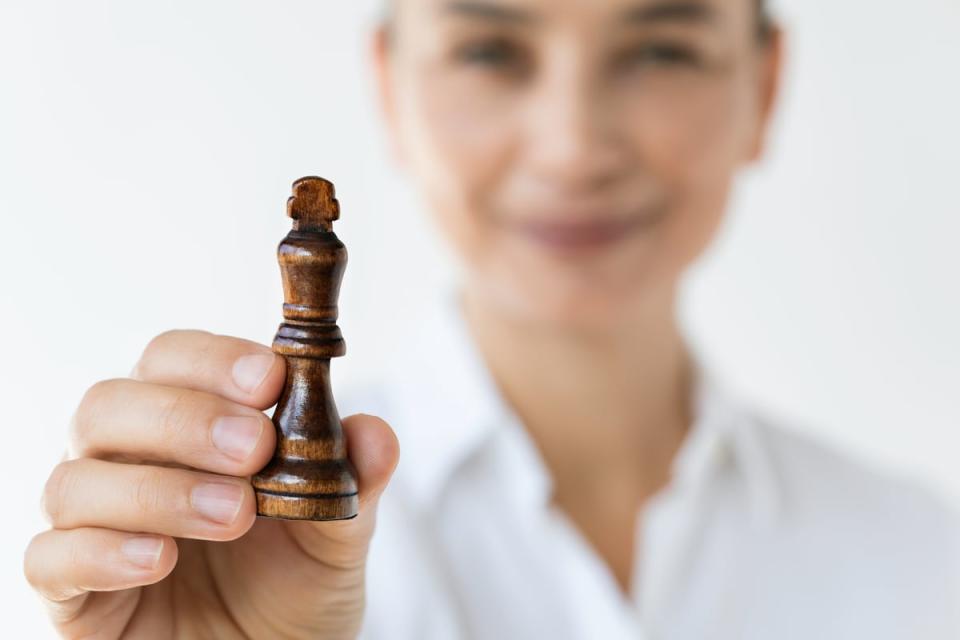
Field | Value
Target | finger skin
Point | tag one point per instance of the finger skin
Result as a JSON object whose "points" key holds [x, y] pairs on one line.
{"points": [[168, 424], [374, 451], [96, 493], [57, 562], [185, 382], [62, 565], [222, 365], [325, 568]]}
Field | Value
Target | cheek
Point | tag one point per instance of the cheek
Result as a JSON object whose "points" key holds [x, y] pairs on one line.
{"points": [[457, 138], [693, 136], [690, 142]]}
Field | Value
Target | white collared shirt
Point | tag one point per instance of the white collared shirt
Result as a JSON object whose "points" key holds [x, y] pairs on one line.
{"points": [[761, 534]]}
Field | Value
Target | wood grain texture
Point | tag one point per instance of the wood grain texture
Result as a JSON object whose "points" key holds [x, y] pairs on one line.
{"points": [[310, 476]]}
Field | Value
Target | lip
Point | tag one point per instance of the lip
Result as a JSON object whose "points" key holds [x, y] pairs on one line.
{"points": [[581, 235]]}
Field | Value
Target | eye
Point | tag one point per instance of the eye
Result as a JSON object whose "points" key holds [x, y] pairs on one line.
{"points": [[658, 55], [496, 53]]}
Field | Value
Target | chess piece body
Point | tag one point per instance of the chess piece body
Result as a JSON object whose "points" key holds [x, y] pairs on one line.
{"points": [[310, 476]]}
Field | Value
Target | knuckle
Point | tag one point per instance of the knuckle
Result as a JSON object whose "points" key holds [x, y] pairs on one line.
{"points": [[89, 409], [148, 494], [36, 558], [179, 416], [31, 570], [159, 345], [50, 566], [156, 345], [56, 491]]}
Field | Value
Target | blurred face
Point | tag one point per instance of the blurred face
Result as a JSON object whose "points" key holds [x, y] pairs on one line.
{"points": [[577, 153]]}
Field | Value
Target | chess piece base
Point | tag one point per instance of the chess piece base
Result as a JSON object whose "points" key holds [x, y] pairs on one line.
{"points": [[307, 507]]}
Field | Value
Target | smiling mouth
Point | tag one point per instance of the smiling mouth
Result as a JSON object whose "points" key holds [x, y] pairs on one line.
{"points": [[578, 236]]}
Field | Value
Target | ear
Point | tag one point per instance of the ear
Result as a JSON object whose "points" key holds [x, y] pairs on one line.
{"points": [[770, 74], [381, 60]]}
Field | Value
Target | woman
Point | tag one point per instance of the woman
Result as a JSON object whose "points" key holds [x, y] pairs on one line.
{"points": [[570, 470]]}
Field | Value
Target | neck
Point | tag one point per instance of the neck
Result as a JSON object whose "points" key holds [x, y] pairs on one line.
{"points": [[605, 408]]}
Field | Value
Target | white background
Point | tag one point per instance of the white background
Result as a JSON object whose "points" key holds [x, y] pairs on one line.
{"points": [[147, 149]]}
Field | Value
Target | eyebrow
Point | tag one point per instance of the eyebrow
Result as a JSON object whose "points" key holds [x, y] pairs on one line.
{"points": [[489, 11], [689, 11]]}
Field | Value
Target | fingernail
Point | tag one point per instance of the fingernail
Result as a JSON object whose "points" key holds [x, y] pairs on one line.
{"points": [[217, 501], [237, 436], [250, 370], [143, 551]]}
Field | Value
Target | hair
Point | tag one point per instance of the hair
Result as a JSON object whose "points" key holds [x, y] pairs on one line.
{"points": [[764, 21]]}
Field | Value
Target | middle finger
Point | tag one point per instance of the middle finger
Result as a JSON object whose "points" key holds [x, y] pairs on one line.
{"points": [[169, 424]]}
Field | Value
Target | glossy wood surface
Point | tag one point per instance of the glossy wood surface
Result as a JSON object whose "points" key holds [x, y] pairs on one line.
{"points": [[310, 476]]}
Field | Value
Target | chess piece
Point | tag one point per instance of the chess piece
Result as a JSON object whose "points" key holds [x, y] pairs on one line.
{"points": [[310, 476]]}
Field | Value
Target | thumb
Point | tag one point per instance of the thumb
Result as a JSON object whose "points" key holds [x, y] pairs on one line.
{"points": [[374, 451]]}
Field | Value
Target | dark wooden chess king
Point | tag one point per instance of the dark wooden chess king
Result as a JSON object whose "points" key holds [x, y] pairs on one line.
{"points": [[310, 476]]}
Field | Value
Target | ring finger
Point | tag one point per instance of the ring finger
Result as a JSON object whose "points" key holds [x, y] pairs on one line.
{"points": [[175, 502]]}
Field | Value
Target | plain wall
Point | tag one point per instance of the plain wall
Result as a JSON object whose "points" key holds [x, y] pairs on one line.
{"points": [[147, 149]]}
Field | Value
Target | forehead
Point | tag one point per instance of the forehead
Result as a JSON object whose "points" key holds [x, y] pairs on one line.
{"points": [[724, 19], [541, 11]]}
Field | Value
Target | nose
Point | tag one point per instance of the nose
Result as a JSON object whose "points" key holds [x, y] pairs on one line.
{"points": [[574, 143]]}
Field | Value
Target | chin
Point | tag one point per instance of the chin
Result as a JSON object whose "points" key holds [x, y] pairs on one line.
{"points": [[589, 306]]}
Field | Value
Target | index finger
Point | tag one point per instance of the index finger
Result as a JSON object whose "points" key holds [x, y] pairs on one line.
{"points": [[237, 369]]}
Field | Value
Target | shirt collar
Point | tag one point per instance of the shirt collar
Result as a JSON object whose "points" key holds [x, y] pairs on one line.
{"points": [[444, 400], [446, 406], [726, 438]]}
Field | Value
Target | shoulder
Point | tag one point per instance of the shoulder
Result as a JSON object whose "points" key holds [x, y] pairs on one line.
{"points": [[872, 530], [860, 544], [818, 479]]}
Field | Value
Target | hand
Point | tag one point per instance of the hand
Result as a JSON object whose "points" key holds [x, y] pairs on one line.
{"points": [[154, 528]]}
